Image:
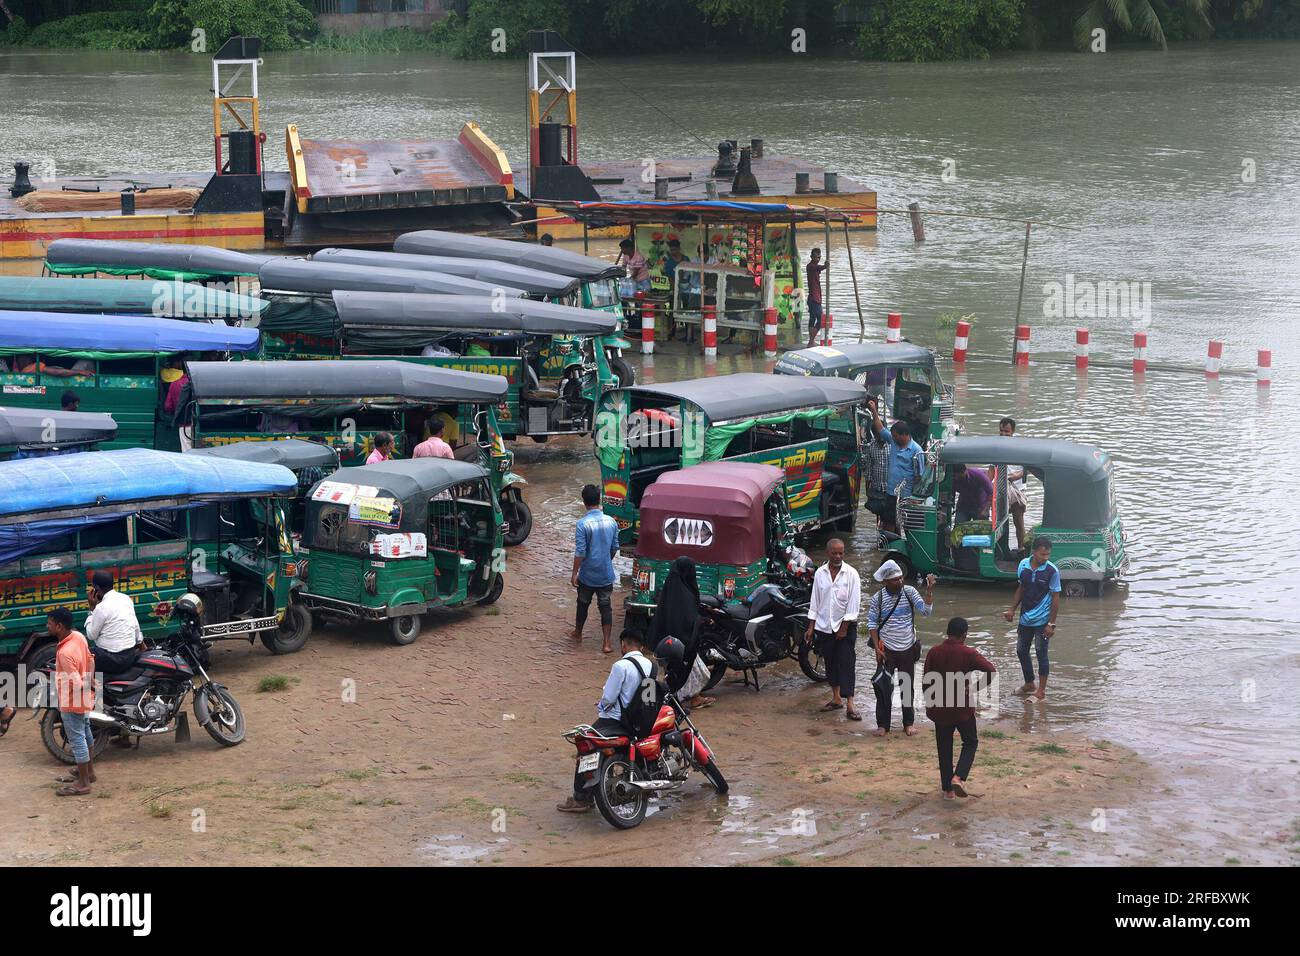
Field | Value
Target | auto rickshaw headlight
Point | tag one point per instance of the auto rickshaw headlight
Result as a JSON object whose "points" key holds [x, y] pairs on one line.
{"points": [[369, 582]]}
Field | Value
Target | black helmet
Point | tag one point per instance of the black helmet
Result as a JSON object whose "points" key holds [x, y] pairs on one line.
{"points": [[671, 651]]}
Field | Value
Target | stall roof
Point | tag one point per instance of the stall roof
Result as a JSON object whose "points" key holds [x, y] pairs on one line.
{"points": [[687, 213], [826, 359], [749, 394], [468, 312], [32, 426], [434, 242], [1033, 452], [341, 381], [293, 453], [322, 278], [44, 488], [155, 297], [50, 331], [410, 477], [176, 257], [532, 281]]}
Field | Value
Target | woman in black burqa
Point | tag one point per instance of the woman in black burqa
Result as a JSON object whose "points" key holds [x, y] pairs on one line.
{"points": [[678, 615]]}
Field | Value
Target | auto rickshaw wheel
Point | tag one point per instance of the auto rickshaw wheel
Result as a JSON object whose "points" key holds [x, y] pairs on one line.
{"points": [[405, 629], [292, 633], [519, 517], [494, 592], [1076, 588], [903, 561], [622, 371]]}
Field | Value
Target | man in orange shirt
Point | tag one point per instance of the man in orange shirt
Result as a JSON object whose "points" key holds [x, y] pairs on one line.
{"points": [[74, 682]]}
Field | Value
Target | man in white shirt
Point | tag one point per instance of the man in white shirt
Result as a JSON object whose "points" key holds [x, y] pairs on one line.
{"points": [[112, 626], [833, 623]]}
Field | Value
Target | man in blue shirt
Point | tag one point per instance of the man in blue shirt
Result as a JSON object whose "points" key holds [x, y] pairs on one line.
{"points": [[594, 547], [626, 678], [906, 459], [1038, 592]]}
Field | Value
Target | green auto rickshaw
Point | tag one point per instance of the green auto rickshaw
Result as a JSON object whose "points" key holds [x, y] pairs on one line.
{"points": [[394, 540], [901, 376], [1075, 484], [118, 364], [345, 405], [33, 432], [812, 428], [162, 524], [730, 517]]}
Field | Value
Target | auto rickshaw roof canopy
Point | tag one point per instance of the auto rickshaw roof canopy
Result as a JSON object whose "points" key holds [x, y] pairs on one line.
{"points": [[713, 512], [52, 333], [293, 453], [750, 394], [390, 310], [532, 281], [1076, 477], [186, 300], [436, 242], [117, 255], [409, 481], [322, 278], [826, 359], [31, 426], [361, 381], [38, 489]]}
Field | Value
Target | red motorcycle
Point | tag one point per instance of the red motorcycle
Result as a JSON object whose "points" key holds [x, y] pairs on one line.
{"points": [[624, 771]]}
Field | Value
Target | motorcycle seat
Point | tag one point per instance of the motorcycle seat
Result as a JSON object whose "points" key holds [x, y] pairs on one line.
{"points": [[208, 580], [710, 600], [738, 612]]}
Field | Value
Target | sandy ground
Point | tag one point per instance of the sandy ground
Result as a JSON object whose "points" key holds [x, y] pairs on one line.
{"points": [[451, 754]]}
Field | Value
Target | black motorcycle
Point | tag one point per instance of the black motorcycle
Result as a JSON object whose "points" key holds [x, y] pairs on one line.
{"points": [[149, 698], [765, 628]]}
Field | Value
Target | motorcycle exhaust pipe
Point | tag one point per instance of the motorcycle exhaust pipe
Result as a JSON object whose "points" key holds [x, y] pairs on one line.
{"points": [[655, 785], [101, 719], [717, 655]]}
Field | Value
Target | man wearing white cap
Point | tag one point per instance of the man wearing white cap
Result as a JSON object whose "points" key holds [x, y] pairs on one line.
{"points": [[833, 618], [891, 622]]}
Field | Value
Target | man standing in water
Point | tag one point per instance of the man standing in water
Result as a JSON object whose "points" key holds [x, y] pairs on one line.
{"points": [[1038, 594], [814, 295], [950, 703], [1015, 486], [595, 544], [833, 623]]}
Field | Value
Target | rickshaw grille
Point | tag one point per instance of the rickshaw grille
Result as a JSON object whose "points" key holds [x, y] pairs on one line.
{"points": [[913, 519]]}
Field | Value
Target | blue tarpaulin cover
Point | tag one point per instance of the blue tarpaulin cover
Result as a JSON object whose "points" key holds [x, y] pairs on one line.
{"points": [[50, 331], [99, 478]]}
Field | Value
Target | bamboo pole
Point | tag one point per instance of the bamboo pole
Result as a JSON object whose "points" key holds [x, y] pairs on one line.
{"points": [[857, 297], [1024, 267]]}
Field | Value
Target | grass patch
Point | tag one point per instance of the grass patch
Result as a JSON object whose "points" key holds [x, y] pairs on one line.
{"points": [[159, 811], [1232, 861], [1055, 750], [274, 683], [785, 861], [994, 735], [524, 779], [368, 773]]}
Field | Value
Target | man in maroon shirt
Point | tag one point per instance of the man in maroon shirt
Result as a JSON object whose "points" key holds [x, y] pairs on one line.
{"points": [[815, 270], [950, 699]]}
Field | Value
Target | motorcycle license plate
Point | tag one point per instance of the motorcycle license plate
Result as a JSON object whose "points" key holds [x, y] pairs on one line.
{"points": [[588, 762]]}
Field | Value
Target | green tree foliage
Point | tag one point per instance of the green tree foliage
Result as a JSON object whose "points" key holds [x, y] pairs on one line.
{"points": [[282, 24], [1139, 18], [939, 29]]}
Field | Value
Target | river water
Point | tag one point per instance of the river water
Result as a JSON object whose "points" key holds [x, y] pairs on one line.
{"points": [[1176, 170]]}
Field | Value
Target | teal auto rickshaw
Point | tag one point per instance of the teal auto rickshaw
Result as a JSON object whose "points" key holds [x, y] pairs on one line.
{"points": [[1078, 514], [392, 541]]}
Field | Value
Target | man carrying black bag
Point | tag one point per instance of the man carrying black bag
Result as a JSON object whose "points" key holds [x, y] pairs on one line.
{"points": [[891, 622]]}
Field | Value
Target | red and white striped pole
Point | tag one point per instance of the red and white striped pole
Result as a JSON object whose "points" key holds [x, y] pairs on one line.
{"points": [[1139, 353], [709, 336], [647, 328], [1022, 345], [894, 328], [960, 343], [1264, 368], [1214, 360], [828, 325], [769, 333], [1081, 349]]}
